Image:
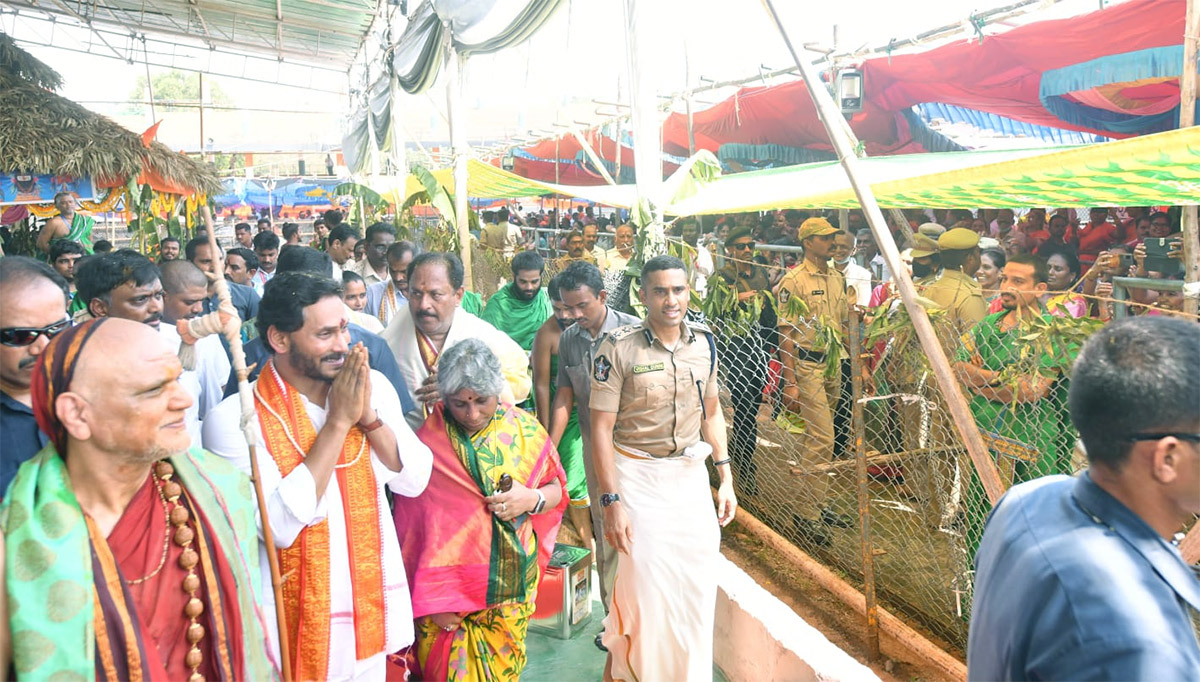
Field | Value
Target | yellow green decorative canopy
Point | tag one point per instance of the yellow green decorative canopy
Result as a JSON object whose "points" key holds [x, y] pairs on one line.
{"points": [[1151, 170]]}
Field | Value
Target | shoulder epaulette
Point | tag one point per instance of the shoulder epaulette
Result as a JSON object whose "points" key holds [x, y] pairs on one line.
{"points": [[622, 332]]}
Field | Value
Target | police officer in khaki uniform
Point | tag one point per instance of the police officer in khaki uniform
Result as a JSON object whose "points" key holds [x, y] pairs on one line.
{"points": [[938, 478], [806, 390], [955, 289], [653, 398]]}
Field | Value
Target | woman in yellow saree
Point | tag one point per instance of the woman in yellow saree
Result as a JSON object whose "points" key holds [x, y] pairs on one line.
{"points": [[475, 552]]}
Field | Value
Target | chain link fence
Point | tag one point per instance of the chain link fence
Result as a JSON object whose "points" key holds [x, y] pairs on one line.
{"points": [[844, 444], [802, 452]]}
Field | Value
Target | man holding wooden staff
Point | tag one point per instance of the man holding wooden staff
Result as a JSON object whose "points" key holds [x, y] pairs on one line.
{"points": [[335, 439]]}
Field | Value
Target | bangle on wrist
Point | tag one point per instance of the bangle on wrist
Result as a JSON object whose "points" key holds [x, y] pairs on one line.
{"points": [[722, 462]]}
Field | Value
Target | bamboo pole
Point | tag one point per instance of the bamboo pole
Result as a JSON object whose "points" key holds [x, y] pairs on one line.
{"points": [[871, 610], [955, 399], [234, 337]]}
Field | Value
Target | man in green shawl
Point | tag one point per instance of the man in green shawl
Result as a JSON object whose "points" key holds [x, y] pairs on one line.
{"points": [[68, 224], [125, 554], [520, 308], [1019, 400]]}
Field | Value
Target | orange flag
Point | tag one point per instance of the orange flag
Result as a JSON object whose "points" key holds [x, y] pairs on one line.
{"points": [[150, 134]]}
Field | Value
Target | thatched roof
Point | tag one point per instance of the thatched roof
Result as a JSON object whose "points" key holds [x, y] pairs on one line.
{"points": [[41, 132]]}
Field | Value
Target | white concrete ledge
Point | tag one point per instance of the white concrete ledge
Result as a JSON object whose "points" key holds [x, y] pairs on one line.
{"points": [[757, 637]]}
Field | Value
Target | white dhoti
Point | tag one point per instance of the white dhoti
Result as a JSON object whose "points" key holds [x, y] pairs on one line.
{"points": [[660, 625]]}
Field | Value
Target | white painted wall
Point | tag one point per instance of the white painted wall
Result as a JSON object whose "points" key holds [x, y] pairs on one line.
{"points": [[757, 637]]}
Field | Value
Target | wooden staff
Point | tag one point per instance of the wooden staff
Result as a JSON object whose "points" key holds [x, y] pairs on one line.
{"points": [[231, 329]]}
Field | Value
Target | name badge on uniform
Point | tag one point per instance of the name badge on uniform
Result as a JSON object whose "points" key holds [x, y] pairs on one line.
{"points": [[818, 292], [600, 368], [652, 367]]}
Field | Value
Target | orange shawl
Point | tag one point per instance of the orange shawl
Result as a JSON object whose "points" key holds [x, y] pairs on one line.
{"points": [[305, 565]]}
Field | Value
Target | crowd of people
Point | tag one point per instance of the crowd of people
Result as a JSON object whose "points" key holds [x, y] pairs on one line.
{"points": [[419, 448]]}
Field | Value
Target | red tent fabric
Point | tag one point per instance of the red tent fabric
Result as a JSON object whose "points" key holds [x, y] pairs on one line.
{"points": [[1001, 75]]}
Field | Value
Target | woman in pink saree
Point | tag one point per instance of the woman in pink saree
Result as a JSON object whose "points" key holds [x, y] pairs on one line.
{"points": [[474, 551]]}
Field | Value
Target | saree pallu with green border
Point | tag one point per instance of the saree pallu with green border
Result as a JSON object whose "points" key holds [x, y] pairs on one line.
{"points": [[462, 559]]}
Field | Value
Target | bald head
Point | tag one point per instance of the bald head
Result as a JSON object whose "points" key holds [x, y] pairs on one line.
{"points": [[185, 287], [178, 275], [108, 410]]}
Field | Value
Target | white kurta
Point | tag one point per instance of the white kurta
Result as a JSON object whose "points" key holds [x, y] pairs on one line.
{"points": [[401, 335], [293, 506], [205, 383]]}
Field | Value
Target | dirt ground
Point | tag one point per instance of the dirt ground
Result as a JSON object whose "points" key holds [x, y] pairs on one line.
{"points": [[840, 624]]}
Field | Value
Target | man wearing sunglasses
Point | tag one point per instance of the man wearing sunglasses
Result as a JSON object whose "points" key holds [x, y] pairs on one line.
{"points": [[1080, 578], [33, 308], [743, 351]]}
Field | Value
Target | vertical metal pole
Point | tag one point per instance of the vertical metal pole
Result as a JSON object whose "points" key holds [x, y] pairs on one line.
{"points": [[864, 493], [201, 93], [458, 141], [647, 128], [956, 400], [1187, 118], [149, 84], [617, 175], [557, 207]]}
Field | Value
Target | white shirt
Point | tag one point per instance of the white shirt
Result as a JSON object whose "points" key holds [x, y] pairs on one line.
{"points": [[206, 382], [858, 278], [260, 279], [401, 336], [293, 506], [879, 266], [702, 269]]}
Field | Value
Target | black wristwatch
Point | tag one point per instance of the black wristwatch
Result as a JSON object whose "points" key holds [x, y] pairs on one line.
{"points": [[609, 499]]}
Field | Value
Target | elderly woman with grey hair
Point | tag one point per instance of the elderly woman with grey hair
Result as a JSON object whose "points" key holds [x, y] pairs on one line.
{"points": [[477, 542]]}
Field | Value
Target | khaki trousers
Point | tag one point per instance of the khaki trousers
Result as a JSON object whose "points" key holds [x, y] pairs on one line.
{"points": [[818, 398]]}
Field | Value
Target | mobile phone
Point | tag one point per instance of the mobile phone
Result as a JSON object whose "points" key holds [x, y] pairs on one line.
{"points": [[1126, 261], [1157, 249], [504, 483]]}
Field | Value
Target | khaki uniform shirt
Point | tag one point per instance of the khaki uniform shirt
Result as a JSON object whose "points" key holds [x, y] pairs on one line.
{"points": [[825, 294], [575, 353], [960, 296], [657, 393]]}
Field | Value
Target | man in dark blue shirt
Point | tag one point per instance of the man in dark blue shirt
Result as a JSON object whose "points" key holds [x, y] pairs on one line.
{"points": [[1078, 579], [33, 308]]}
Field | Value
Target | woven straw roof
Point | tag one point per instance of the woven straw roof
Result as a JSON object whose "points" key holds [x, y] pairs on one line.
{"points": [[41, 132]]}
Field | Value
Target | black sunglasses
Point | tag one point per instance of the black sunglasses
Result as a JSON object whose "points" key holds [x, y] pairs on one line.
{"points": [[18, 337], [1193, 437], [742, 245]]}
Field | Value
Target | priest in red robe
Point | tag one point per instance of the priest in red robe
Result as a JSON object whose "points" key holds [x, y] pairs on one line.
{"points": [[142, 551]]}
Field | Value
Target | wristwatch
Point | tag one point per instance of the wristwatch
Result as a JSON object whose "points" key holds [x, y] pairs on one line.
{"points": [[541, 503], [609, 499], [367, 428]]}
